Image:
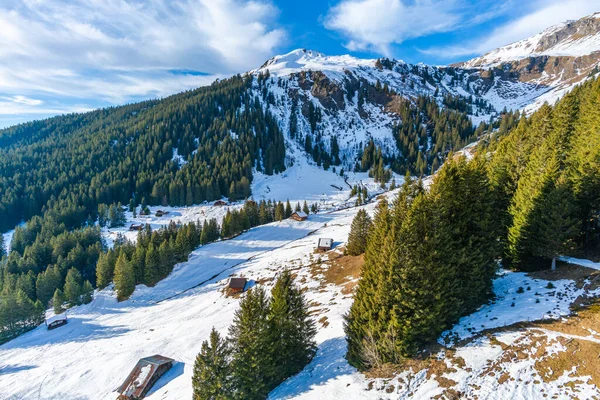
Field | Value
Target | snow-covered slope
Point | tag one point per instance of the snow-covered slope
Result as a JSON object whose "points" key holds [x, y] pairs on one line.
{"points": [[347, 90], [90, 356], [570, 38]]}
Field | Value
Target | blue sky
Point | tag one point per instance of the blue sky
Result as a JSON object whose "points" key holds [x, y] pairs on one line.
{"points": [[63, 56]]}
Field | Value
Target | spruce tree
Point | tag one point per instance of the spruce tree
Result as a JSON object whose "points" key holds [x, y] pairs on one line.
{"points": [[252, 363], [73, 287], [361, 319], [152, 266], [87, 292], [124, 277], [305, 208], [279, 212], [556, 224], [212, 371], [288, 209], [104, 271], [57, 301], [359, 232], [291, 328]]}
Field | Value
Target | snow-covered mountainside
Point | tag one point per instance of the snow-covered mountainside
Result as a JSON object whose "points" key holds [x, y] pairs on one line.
{"points": [[571, 38], [358, 99]]}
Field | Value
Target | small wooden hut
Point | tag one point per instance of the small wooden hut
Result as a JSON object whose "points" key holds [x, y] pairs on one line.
{"points": [[136, 227], [56, 321], [324, 244], [145, 374], [220, 203], [160, 213], [299, 216], [236, 285]]}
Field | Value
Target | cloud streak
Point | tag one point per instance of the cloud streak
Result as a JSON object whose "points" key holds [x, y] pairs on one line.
{"points": [[112, 51], [545, 14], [378, 24]]}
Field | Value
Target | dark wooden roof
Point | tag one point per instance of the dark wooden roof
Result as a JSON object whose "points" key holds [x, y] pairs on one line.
{"points": [[157, 359], [237, 283], [144, 374]]}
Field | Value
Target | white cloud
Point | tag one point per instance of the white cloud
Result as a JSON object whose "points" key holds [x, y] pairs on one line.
{"points": [[110, 51], [546, 13], [376, 24]]}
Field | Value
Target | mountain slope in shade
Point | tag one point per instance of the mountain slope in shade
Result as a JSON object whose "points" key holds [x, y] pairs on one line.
{"points": [[568, 39]]}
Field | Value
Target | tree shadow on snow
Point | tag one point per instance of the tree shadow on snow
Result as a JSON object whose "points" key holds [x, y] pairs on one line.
{"points": [[11, 369], [76, 330], [328, 364]]}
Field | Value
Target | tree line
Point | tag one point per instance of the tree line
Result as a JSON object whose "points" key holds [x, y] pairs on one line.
{"points": [[429, 259], [530, 194], [545, 174]]}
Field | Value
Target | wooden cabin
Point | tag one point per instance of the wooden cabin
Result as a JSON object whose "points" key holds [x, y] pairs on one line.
{"points": [[136, 227], [56, 321], [145, 374], [299, 216], [236, 285], [220, 203], [160, 213], [324, 244]]}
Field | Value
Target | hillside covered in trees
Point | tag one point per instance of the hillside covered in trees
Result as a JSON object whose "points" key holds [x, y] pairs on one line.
{"points": [[66, 166], [528, 196]]}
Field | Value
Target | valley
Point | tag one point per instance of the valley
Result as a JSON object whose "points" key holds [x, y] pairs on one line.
{"points": [[471, 192]]}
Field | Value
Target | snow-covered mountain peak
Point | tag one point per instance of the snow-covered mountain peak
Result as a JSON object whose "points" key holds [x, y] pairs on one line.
{"points": [[570, 38], [304, 60]]}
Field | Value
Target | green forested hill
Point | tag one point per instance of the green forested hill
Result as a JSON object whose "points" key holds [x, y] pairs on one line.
{"points": [[527, 197], [546, 175], [68, 165]]}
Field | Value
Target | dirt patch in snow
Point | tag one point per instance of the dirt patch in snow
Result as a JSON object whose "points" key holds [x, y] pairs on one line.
{"points": [[572, 272], [339, 269]]}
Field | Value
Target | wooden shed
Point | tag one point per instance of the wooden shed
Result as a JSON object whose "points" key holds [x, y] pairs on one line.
{"points": [[56, 321], [160, 213], [299, 216], [136, 227], [324, 244], [145, 374], [236, 285], [220, 203]]}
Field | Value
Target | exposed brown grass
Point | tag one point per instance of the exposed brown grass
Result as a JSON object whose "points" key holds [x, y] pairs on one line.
{"points": [[573, 272], [338, 269]]}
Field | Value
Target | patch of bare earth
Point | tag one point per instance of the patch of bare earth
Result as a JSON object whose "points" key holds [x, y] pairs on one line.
{"points": [[338, 269], [582, 342]]}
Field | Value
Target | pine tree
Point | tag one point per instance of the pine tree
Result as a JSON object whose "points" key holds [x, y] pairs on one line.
{"points": [[58, 300], [556, 224], [359, 232], [305, 209], [364, 312], [124, 277], [87, 292], [152, 266], [252, 364], [104, 271], [292, 329], [73, 287], [288, 209], [212, 371], [138, 260], [279, 212]]}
